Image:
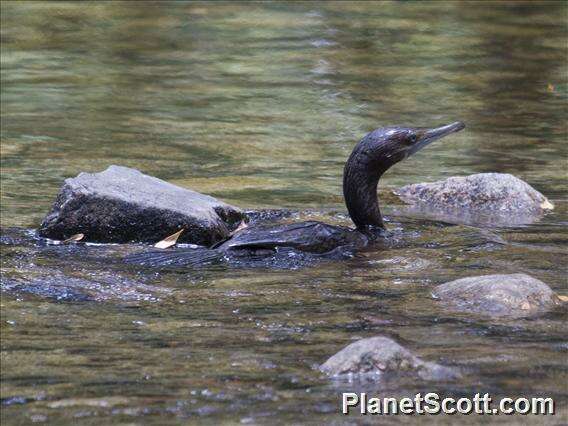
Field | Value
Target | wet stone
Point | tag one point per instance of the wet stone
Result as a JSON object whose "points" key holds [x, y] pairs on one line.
{"points": [[49, 290], [122, 205], [483, 198], [515, 295], [372, 357], [48, 283]]}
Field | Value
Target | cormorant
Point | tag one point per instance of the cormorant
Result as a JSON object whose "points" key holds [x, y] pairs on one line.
{"points": [[371, 157]]}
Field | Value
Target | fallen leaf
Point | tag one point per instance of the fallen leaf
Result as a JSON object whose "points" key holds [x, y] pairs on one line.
{"points": [[73, 238], [550, 87], [169, 241], [563, 298], [547, 205]]}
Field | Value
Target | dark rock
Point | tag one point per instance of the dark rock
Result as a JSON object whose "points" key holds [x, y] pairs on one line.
{"points": [[372, 357], [122, 205], [497, 295], [485, 198], [103, 286], [49, 289]]}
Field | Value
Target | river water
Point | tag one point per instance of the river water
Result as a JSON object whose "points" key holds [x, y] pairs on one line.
{"points": [[259, 105]]}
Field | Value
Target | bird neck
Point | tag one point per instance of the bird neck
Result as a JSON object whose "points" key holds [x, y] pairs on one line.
{"points": [[360, 179]]}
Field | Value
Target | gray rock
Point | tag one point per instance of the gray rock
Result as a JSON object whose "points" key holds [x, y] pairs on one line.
{"points": [[374, 356], [122, 205], [484, 198], [514, 295]]}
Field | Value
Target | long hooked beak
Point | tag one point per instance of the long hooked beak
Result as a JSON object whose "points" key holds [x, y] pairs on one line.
{"points": [[427, 136]]}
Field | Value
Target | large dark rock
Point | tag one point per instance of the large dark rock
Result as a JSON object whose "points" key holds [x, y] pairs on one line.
{"points": [[484, 198], [122, 205], [514, 295], [370, 358]]}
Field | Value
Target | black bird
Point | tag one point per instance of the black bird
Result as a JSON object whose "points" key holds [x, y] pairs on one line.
{"points": [[371, 157]]}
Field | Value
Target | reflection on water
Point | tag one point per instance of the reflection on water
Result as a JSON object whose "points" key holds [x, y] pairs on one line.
{"points": [[259, 105]]}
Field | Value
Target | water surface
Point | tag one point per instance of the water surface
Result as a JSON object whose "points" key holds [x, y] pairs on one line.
{"points": [[260, 105]]}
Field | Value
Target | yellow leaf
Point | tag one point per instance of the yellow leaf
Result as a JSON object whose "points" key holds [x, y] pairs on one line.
{"points": [[547, 205], [563, 298], [169, 241], [550, 87], [73, 238]]}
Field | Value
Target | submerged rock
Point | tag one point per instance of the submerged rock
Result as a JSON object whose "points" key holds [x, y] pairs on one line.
{"points": [[374, 356], [498, 295], [484, 198], [122, 205], [51, 284]]}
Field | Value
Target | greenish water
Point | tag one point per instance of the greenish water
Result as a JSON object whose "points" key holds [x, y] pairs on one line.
{"points": [[259, 105]]}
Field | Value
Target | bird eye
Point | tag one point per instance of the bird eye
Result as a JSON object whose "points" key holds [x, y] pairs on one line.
{"points": [[413, 138]]}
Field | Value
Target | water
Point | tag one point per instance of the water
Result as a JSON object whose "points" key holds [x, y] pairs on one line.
{"points": [[259, 105]]}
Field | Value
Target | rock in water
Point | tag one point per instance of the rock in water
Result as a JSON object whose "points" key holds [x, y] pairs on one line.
{"points": [[484, 198], [514, 295], [369, 358], [122, 205]]}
